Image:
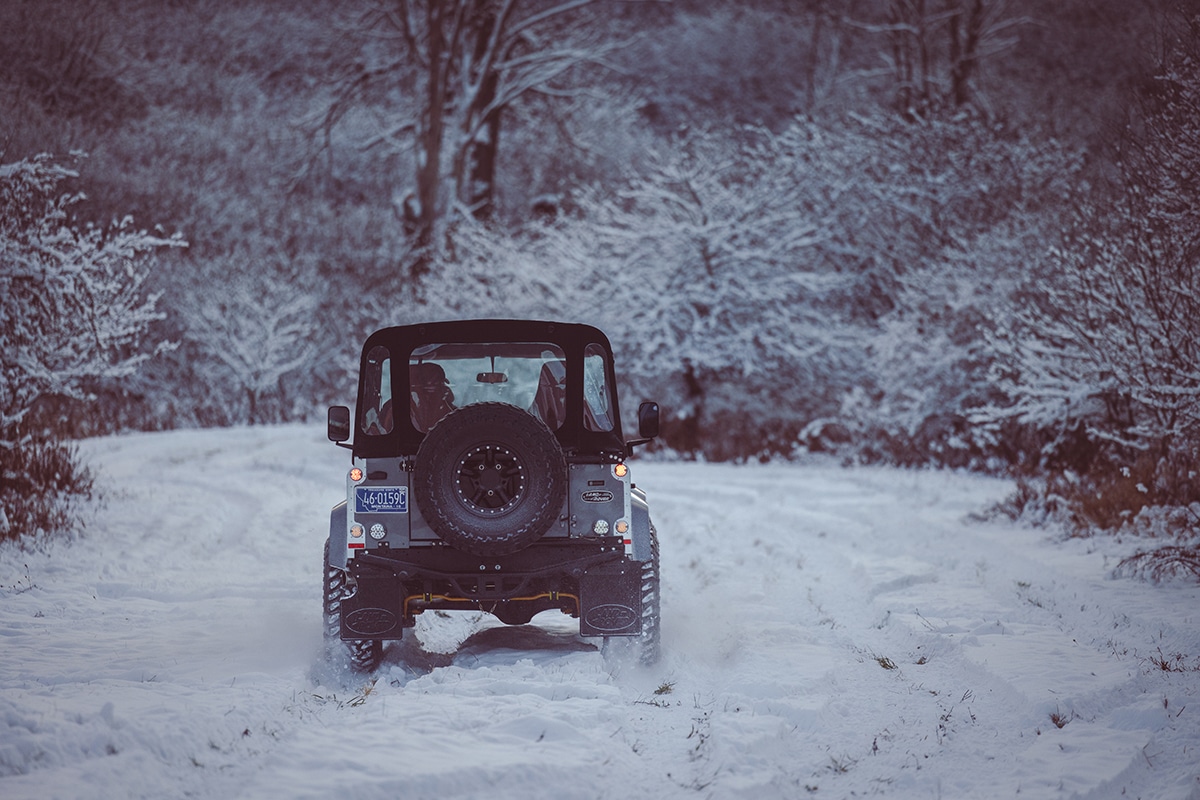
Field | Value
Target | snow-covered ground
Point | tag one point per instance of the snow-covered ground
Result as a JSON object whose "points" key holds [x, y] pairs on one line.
{"points": [[827, 633]]}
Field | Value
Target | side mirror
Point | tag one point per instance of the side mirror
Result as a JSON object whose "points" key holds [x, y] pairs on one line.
{"points": [[339, 424], [648, 420]]}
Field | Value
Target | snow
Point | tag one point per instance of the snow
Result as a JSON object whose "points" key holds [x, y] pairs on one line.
{"points": [[827, 632]]}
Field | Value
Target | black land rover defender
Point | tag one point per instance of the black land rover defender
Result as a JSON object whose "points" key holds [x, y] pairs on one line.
{"points": [[489, 473]]}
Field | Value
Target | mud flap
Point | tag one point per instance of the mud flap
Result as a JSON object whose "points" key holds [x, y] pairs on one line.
{"points": [[611, 599], [373, 611]]}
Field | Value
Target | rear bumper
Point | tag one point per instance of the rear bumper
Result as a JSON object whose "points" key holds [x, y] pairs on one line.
{"points": [[590, 579]]}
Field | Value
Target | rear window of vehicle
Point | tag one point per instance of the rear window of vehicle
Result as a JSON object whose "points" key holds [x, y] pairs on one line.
{"points": [[528, 375]]}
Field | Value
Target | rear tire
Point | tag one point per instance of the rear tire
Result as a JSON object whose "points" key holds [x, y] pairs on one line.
{"points": [[646, 647], [362, 655]]}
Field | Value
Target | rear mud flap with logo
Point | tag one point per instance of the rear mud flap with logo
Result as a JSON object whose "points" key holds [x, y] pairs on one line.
{"points": [[611, 597], [374, 610]]}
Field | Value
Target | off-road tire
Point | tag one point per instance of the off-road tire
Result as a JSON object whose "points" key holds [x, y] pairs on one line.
{"points": [[646, 647], [362, 655], [490, 479]]}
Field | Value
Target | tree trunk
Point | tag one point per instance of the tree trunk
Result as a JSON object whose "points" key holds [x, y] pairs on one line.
{"points": [[252, 398], [420, 219], [964, 49], [479, 190], [481, 185]]}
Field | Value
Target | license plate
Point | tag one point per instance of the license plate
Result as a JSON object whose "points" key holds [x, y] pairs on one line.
{"points": [[381, 500]]}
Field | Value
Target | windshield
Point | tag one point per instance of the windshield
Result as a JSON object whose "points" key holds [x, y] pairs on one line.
{"points": [[529, 375]]}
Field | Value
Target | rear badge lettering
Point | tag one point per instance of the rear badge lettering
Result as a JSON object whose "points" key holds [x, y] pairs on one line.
{"points": [[611, 617], [370, 621], [598, 496]]}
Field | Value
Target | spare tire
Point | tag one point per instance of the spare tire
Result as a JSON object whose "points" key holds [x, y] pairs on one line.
{"points": [[490, 479]]}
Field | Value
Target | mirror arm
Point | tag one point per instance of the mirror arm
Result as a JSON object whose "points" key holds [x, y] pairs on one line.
{"points": [[632, 443]]}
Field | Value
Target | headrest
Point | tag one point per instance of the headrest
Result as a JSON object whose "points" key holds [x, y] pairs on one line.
{"points": [[427, 375]]}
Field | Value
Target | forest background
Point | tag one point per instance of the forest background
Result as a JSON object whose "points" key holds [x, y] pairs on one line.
{"points": [[958, 233]]}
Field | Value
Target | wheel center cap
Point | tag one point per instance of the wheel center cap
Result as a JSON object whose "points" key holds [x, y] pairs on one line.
{"points": [[491, 479]]}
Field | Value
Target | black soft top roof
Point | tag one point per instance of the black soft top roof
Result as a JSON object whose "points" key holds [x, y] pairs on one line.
{"points": [[573, 338]]}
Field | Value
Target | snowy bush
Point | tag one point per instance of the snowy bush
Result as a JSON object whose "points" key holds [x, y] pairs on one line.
{"points": [[1177, 551], [488, 272], [72, 318], [1106, 351], [941, 216], [251, 334], [67, 59], [804, 288], [703, 266]]}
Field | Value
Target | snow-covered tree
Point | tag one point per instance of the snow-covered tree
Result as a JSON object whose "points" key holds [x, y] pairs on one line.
{"points": [[701, 267], [494, 273], [1111, 341], [936, 48], [448, 70], [72, 311], [839, 274], [248, 325], [939, 215]]}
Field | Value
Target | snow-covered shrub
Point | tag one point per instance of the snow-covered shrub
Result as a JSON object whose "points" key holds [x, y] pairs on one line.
{"points": [[249, 324], [824, 286], [72, 317], [1163, 563], [488, 272], [1176, 528], [938, 218], [700, 267], [1107, 344], [67, 60]]}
